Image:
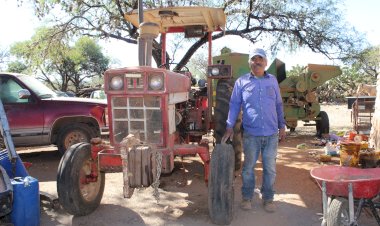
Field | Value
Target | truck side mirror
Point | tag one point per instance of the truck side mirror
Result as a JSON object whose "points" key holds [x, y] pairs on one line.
{"points": [[23, 94]]}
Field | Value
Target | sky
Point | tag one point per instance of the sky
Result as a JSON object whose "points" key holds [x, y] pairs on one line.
{"points": [[19, 23]]}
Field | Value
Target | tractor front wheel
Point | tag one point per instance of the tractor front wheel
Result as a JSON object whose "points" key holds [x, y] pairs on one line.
{"points": [[223, 94], [76, 194], [221, 184]]}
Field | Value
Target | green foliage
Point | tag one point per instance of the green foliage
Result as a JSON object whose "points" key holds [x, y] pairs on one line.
{"points": [[368, 61], [17, 67], [295, 71], [60, 65]]}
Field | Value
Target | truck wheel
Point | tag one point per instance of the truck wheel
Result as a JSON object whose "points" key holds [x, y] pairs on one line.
{"points": [[337, 213], [78, 197], [223, 94], [220, 184], [322, 125], [72, 134]]}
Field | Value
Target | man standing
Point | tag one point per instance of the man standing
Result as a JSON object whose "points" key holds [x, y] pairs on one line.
{"points": [[257, 94]]}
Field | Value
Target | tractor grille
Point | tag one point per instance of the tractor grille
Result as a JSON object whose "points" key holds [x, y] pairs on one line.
{"points": [[139, 116]]}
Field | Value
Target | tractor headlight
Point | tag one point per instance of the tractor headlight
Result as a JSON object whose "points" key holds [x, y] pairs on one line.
{"points": [[116, 83], [156, 82], [215, 71], [219, 71]]}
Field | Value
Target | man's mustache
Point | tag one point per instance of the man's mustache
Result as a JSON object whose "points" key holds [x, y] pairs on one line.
{"points": [[257, 64]]}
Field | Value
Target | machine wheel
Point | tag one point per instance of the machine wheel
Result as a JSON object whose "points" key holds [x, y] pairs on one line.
{"points": [[220, 184], [337, 213], [223, 94], [322, 125], [75, 195], [72, 134]]}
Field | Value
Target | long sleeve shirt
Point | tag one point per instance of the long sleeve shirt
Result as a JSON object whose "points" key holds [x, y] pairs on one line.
{"points": [[261, 103]]}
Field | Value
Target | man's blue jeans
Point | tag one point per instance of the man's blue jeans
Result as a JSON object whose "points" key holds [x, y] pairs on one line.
{"points": [[253, 146]]}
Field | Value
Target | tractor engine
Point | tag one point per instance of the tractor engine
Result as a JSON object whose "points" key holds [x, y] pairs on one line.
{"points": [[191, 115]]}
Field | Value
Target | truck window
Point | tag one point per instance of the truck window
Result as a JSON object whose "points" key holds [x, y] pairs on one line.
{"points": [[9, 91]]}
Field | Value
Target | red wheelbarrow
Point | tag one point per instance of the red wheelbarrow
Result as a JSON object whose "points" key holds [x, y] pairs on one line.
{"points": [[347, 188]]}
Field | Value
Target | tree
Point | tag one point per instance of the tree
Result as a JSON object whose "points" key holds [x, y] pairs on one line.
{"points": [[295, 71], [367, 61], [317, 25], [57, 63], [17, 67], [3, 58]]}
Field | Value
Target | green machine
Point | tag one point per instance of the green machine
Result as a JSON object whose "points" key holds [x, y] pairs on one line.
{"points": [[299, 95]]}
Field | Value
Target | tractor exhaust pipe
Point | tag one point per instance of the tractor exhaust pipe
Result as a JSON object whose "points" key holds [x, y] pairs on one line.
{"points": [[148, 32]]}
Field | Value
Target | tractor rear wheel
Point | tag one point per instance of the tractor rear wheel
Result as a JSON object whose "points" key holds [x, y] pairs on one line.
{"points": [[223, 94], [220, 184], [322, 125], [78, 196]]}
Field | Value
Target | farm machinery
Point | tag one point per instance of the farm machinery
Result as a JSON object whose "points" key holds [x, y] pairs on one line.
{"points": [[155, 115], [299, 94]]}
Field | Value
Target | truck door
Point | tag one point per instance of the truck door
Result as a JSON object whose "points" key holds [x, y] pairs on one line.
{"points": [[25, 116]]}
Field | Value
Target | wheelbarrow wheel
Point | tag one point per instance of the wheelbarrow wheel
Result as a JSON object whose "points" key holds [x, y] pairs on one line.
{"points": [[220, 184], [76, 195], [338, 213]]}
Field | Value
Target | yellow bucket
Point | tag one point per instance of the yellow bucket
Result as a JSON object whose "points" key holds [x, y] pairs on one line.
{"points": [[349, 154]]}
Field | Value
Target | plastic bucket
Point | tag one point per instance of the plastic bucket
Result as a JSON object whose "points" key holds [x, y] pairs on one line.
{"points": [[349, 154]]}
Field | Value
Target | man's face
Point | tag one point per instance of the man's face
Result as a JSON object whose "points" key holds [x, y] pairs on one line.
{"points": [[258, 64]]}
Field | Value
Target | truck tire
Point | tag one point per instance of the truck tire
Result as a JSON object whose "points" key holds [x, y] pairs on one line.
{"points": [[220, 184], [77, 197], [73, 134], [337, 213], [223, 94], [322, 125]]}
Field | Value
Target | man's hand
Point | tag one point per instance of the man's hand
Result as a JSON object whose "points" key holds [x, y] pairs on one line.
{"points": [[228, 134], [281, 134]]}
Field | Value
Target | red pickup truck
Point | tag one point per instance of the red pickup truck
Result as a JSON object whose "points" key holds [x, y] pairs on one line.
{"points": [[38, 116]]}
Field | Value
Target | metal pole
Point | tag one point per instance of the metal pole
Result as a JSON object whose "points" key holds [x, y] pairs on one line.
{"points": [[6, 133], [351, 203], [141, 42], [324, 203]]}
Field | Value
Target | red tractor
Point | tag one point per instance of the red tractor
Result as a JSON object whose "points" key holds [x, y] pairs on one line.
{"points": [[167, 117]]}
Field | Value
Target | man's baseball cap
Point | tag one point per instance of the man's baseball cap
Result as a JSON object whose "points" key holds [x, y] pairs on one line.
{"points": [[258, 52]]}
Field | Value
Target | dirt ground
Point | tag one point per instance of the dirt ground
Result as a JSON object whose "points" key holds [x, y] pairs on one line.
{"points": [[183, 194]]}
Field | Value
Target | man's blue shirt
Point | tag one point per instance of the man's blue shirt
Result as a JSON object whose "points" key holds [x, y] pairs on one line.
{"points": [[261, 103]]}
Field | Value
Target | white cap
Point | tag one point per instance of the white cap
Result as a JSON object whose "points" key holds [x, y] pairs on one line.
{"points": [[257, 52]]}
